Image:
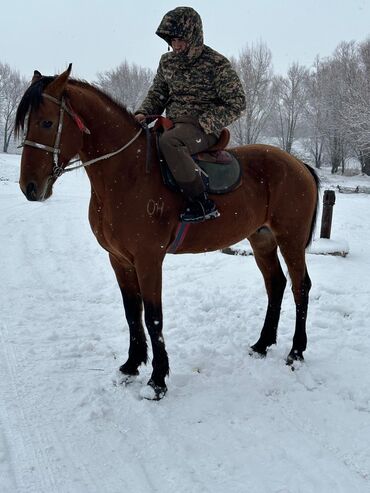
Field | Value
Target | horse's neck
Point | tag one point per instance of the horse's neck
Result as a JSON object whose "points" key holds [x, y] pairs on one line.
{"points": [[110, 130]]}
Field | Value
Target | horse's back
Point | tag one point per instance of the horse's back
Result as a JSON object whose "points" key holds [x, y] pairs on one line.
{"points": [[274, 166]]}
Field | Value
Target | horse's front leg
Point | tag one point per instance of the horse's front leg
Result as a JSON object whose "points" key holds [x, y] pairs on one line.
{"points": [[149, 271], [133, 304]]}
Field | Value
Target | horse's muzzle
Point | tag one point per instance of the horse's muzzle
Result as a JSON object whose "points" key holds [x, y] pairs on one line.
{"points": [[34, 193], [31, 191]]}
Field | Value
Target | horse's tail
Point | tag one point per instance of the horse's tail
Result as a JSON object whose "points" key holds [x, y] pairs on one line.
{"points": [[314, 218]]}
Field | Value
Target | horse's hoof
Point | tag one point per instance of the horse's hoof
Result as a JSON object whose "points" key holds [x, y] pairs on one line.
{"points": [[293, 357], [127, 379], [153, 392], [256, 352], [122, 378]]}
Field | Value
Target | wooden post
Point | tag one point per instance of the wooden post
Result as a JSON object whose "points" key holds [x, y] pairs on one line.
{"points": [[327, 213]]}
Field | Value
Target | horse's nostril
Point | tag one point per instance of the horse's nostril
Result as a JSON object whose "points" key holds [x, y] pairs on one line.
{"points": [[31, 191]]}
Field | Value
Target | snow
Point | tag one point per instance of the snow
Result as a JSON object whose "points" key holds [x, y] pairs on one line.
{"points": [[229, 422], [319, 246]]}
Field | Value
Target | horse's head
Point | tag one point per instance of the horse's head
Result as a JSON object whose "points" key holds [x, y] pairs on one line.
{"points": [[51, 135]]}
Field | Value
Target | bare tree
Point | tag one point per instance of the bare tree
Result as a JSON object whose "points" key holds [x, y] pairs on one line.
{"points": [[314, 116], [290, 99], [12, 86], [255, 71], [337, 75], [355, 111], [127, 84]]}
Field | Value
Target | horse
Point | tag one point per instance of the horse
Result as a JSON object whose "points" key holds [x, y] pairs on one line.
{"points": [[135, 217]]}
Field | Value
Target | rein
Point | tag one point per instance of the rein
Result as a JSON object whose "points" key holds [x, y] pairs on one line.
{"points": [[100, 158], [57, 169]]}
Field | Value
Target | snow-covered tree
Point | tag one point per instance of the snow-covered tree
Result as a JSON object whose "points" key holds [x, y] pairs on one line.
{"points": [[356, 104], [12, 87], [337, 76]]}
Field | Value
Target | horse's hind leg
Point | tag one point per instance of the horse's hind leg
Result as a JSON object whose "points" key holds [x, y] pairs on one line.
{"points": [[294, 256], [133, 304], [265, 253]]}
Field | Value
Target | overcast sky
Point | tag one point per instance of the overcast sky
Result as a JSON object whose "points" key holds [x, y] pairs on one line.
{"points": [[97, 35]]}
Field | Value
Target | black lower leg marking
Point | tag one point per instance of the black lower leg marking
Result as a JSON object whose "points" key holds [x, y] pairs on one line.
{"points": [[138, 351], [154, 323]]}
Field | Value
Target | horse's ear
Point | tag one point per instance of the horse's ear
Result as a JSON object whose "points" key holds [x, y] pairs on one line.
{"points": [[36, 76], [56, 88]]}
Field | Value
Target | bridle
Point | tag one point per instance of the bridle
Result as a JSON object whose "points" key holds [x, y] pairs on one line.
{"points": [[58, 170]]}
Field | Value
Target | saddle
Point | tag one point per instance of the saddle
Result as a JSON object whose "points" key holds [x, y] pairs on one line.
{"points": [[221, 171]]}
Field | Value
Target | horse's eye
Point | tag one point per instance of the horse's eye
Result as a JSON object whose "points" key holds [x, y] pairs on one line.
{"points": [[46, 124]]}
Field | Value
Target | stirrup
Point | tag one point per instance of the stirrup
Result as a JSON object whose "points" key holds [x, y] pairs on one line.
{"points": [[194, 216]]}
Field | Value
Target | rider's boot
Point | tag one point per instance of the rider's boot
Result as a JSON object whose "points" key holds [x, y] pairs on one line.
{"points": [[199, 209]]}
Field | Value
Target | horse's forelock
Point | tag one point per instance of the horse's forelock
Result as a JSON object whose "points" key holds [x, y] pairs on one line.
{"points": [[32, 98]]}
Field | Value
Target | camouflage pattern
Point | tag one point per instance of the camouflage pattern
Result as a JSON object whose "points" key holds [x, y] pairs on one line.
{"points": [[198, 83]]}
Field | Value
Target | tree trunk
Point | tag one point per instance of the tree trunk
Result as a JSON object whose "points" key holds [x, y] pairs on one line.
{"points": [[336, 156], [289, 147], [6, 142], [365, 164], [7, 137], [317, 154]]}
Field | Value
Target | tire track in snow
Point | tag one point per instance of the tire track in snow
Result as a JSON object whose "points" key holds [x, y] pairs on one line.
{"points": [[24, 443], [37, 442]]}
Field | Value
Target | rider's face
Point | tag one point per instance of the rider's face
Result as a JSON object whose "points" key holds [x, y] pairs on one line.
{"points": [[178, 45]]}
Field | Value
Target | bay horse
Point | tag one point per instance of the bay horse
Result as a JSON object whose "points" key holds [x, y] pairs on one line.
{"points": [[134, 217]]}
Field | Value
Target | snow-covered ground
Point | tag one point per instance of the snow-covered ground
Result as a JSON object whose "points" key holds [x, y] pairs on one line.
{"points": [[229, 423]]}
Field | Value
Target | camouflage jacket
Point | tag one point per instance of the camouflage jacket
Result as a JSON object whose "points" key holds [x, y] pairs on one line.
{"points": [[199, 83]]}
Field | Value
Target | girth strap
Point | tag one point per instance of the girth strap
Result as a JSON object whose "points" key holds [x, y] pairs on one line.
{"points": [[181, 232]]}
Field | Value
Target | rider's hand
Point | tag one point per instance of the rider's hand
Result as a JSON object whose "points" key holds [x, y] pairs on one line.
{"points": [[140, 118]]}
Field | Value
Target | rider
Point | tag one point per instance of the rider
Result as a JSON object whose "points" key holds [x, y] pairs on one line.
{"points": [[201, 94]]}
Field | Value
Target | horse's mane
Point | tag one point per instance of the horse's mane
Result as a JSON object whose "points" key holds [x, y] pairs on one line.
{"points": [[33, 98]]}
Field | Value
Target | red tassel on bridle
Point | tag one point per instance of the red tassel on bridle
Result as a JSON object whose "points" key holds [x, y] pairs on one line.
{"points": [[80, 124]]}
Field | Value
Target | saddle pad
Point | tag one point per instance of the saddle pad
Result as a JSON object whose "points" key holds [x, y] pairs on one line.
{"points": [[218, 178], [221, 177]]}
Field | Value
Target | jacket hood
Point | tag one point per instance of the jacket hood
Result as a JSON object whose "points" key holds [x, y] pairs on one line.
{"points": [[184, 23]]}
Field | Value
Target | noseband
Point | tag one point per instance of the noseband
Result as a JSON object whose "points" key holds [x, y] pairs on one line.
{"points": [[57, 169]]}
